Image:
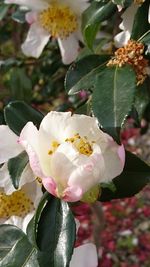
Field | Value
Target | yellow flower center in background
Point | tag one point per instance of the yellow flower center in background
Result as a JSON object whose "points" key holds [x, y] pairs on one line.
{"points": [[17, 204], [58, 20], [81, 144]]}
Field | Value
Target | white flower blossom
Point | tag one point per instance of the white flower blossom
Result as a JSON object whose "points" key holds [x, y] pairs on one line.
{"points": [[17, 207], [60, 19], [71, 154]]}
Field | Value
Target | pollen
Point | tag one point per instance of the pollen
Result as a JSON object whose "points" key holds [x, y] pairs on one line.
{"points": [[17, 204], [54, 146], [132, 54], [59, 20], [81, 144]]}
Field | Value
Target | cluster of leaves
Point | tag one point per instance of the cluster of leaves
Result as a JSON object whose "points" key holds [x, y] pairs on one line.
{"points": [[113, 94]]}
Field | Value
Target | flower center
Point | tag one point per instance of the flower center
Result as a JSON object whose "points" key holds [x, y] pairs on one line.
{"points": [[132, 54], [58, 20], [15, 204], [81, 144]]}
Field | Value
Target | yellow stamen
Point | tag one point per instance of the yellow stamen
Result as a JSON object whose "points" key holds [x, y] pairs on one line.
{"points": [[54, 146], [131, 54], [81, 144], [15, 204], [59, 20]]}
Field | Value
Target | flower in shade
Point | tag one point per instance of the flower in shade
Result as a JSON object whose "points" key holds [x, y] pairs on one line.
{"points": [[126, 25], [60, 19], [71, 154], [17, 207]]}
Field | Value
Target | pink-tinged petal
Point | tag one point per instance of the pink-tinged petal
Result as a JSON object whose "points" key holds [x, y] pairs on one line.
{"points": [[29, 140], [72, 193], [84, 256], [9, 146], [121, 153], [49, 185], [31, 17], [69, 48], [36, 40]]}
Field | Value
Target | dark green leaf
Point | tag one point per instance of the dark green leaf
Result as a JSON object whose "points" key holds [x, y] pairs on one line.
{"points": [[16, 166], [20, 85], [15, 249], [55, 230], [18, 113], [135, 176], [93, 16], [140, 25], [113, 97], [19, 16], [3, 10], [82, 74], [142, 99]]}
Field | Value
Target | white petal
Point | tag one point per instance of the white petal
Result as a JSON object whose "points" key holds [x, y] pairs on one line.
{"points": [[9, 146], [84, 256], [69, 48], [149, 14], [36, 40], [122, 38], [61, 125], [128, 17], [33, 191], [31, 4], [20, 222]]}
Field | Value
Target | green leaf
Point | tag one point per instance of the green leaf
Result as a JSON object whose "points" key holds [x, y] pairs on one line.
{"points": [[135, 176], [140, 25], [18, 113], [119, 2], [82, 74], [16, 166], [142, 99], [15, 249], [3, 10], [93, 16], [19, 16], [54, 227], [20, 84], [113, 98]]}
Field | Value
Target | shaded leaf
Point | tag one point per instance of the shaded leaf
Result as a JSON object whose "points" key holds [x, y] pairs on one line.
{"points": [[135, 176], [18, 113], [82, 74], [16, 166], [93, 16]]}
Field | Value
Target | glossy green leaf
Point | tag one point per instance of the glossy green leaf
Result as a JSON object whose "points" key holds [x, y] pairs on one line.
{"points": [[135, 176], [20, 84], [18, 113], [15, 249], [113, 98], [82, 74], [16, 166], [3, 10], [55, 232], [142, 99], [19, 16], [140, 25], [93, 16]]}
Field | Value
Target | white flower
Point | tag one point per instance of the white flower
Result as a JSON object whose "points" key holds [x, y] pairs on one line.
{"points": [[16, 206], [84, 256], [60, 19], [71, 154], [126, 25]]}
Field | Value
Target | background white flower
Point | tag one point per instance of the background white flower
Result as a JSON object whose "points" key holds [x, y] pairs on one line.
{"points": [[71, 154], [60, 19], [16, 206]]}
